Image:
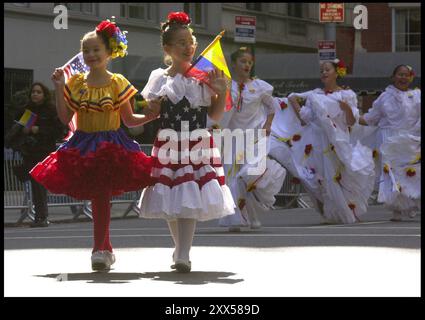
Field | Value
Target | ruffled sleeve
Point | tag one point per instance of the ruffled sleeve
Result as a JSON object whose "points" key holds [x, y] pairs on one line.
{"points": [[374, 114], [72, 87], [306, 114], [124, 89], [266, 96], [176, 88]]}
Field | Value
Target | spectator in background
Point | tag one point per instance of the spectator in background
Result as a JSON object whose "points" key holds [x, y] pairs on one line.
{"points": [[38, 141]]}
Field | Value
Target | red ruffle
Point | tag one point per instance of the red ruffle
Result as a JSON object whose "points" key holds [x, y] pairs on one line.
{"points": [[111, 168]]}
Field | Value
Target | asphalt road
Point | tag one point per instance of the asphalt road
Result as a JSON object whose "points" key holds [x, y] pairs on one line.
{"points": [[291, 255]]}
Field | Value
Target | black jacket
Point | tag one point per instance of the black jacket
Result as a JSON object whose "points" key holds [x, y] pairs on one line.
{"points": [[50, 130]]}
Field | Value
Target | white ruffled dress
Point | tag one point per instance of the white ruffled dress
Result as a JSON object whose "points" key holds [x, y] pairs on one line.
{"points": [[255, 182], [183, 187], [334, 171], [397, 115]]}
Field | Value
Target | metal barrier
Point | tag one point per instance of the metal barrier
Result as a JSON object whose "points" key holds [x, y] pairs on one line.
{"points": [[17, 195]]}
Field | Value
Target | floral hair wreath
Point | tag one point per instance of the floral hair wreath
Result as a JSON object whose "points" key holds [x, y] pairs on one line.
{"points": [[412, 73], [341, 69], [117, 39]]}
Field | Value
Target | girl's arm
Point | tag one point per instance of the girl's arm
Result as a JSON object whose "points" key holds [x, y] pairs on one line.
{"points": [[349, 116], [296, 106], [133, 120], [64, 113], [268, 124]]}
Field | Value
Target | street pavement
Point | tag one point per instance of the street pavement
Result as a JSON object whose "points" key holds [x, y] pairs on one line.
{"points": [[292, 255]]}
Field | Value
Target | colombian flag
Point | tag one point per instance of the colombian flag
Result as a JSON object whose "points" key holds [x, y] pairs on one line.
{"points": [[212, 58], [28, 119]]}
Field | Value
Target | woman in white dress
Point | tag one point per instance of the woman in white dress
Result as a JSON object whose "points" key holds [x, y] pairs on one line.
{"points": [[397, 114], [337, 175], [253, 108], [184, 190]]}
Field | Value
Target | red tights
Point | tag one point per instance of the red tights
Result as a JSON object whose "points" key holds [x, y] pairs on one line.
{"points": [[101, 211]]}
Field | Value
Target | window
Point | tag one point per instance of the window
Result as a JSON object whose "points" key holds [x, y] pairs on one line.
{"points": [[86, 8], [407, 30], [140, 11], [295, 10], [21, 4], [297, 28], [260, 19], [196, 12], [254, 6]]}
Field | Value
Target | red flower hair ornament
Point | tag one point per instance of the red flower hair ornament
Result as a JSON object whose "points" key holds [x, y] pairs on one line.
{"points": [[108, 27], [178, 17]]}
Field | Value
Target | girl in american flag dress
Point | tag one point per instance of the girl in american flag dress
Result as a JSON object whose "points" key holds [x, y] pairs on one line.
{"points": [[184, 189]]}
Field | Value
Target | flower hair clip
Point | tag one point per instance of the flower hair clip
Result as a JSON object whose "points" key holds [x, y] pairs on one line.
{"points": [[412, 73], [178, 17], [117, 38], [341, 69]]}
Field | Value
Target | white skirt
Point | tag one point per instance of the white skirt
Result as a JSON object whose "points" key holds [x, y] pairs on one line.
{"points": [[186, 189]]}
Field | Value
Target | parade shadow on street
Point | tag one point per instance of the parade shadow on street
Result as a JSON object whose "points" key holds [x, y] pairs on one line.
{"points": [[193, 278]]}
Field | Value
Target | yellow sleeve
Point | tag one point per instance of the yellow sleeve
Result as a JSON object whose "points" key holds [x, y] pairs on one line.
{"points": [[72, 86], [125, 90]]}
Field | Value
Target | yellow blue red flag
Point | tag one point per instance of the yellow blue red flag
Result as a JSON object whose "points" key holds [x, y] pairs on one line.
{"points": [[212, 58], [28, 119]]}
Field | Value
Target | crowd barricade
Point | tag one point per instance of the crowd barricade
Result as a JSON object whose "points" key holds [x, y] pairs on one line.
{"points": [[17, 195]]}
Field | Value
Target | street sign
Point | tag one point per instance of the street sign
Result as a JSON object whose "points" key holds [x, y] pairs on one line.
{"points": [[331, 12], [245, 29], [327, 50]]}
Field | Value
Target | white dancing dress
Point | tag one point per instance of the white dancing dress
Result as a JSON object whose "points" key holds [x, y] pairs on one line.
{"points": [[335, 172], [397, 114], [252, 191], [187, 183]]}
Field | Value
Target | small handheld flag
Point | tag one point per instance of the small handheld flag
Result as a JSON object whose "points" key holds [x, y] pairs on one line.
{"points": [[28, 119], [74, 66], [211, 58]]}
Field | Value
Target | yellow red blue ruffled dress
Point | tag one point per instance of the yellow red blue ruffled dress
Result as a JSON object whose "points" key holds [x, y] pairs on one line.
{"points": [[99, 158]]}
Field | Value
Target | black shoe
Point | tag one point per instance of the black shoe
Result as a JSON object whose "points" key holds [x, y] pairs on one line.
{"points": [[40, 223]]}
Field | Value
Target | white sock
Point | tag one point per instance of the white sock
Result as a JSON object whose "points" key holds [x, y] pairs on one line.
{"points": [[186, 231], [172, 225]]}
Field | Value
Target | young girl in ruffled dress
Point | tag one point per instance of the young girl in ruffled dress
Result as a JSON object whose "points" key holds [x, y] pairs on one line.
{"points": [[397, 114], [99, 160], [184, 191]]}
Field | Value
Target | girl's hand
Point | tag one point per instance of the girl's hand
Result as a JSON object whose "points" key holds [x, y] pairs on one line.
{"points": [[217, 81], [34, 129], [58, 78], [153, 108]]}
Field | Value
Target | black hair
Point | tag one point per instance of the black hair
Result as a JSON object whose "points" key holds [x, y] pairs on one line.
{"points": [[241, 51], [102, 35], [398, 67], [168, 29], [46, 93]]}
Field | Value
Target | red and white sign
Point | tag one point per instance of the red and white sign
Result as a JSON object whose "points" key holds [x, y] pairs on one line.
{"points": [[245, 29], [327, 50], [331, 12]]}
